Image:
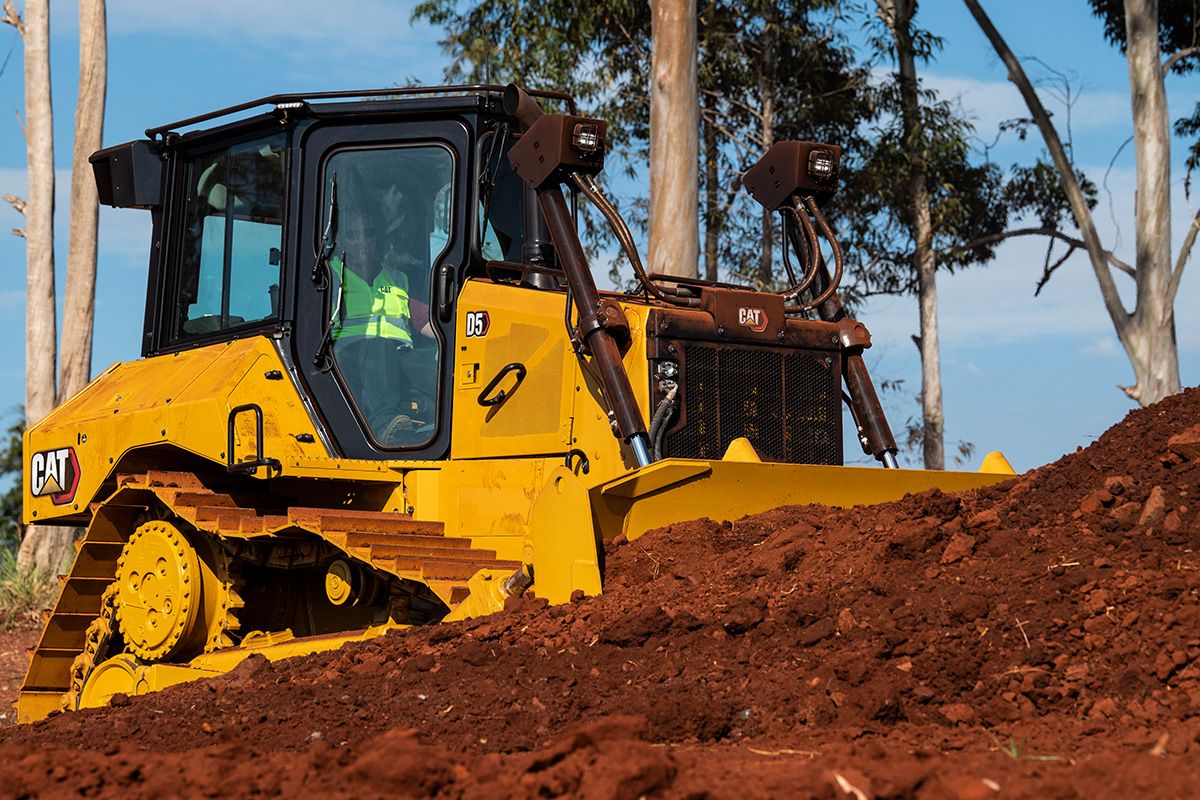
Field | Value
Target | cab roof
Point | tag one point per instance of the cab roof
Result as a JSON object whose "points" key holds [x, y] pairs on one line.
{"points": [[409, 98]]}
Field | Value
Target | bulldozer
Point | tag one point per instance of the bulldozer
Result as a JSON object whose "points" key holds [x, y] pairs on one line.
{"points": [[289, 468]]}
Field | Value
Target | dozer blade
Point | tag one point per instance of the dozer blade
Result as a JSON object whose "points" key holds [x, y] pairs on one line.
{"points": [[677, 490], [571, 520]]}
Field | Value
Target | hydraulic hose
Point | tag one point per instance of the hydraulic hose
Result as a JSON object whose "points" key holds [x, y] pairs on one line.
{"points": [[813, 262], [785, 247], [616, 222], [661, 418], [838, 263]]}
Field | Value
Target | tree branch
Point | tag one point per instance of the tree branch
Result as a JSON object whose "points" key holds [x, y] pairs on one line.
{"points": [[17, 203], [1184, 252], [736, 140], [1178, 56], [757, 114], [1053, 233], [11, 17], [1079, 208], [1049, 269]]}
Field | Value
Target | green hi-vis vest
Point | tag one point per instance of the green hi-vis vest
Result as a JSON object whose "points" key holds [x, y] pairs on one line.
{"points": [[378, 309]]}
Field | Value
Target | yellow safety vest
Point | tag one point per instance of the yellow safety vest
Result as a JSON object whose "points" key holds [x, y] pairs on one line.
{"points": [[379, 308]]}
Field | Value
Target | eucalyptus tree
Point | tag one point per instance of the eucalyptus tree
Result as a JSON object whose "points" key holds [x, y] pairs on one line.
{"points": [[1158, 40]]}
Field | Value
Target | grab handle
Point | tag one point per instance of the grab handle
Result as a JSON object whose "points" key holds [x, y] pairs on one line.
{"points": [[259, 460], [502, 395]]}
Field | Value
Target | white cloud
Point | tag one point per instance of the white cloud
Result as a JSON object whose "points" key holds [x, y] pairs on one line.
{"points": [[1104, 347], [988, 103]]}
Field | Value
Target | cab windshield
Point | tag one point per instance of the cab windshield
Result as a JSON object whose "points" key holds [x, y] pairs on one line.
{"points": [[392, 219]]}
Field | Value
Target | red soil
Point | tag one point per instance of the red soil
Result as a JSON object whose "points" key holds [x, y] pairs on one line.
{"points": [[1040, 638]]}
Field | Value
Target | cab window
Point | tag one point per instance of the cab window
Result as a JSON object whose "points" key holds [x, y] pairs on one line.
{"points": [[392, 209], [229, 267]]}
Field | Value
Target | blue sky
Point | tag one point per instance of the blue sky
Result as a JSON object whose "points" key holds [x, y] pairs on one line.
{"points": [[1034, 377]]}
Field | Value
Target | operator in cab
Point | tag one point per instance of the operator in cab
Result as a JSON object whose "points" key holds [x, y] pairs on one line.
{"points": [[380, 318]]}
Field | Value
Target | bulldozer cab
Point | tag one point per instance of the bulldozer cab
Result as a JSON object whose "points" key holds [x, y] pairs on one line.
{"points": [[342, 227]]}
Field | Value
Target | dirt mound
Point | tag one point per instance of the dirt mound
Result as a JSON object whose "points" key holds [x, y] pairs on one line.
{"points": [[1040, 637]]}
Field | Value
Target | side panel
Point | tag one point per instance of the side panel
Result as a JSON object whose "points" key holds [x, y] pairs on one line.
{"points": [[557, 406], [181, 399], [499, 326]]}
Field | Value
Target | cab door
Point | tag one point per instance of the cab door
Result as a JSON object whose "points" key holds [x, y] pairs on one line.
{"points": [[380, 249]]}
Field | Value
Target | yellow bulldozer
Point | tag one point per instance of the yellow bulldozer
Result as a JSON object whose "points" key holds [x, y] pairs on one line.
{"points": [[379, 387]]}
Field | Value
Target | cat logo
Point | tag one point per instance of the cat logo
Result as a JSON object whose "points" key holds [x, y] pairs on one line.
{"points": [[478, 323], [753, 318], [54, 474]]}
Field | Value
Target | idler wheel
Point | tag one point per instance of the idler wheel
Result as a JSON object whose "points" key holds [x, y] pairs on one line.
{"points": [[159, 593]]}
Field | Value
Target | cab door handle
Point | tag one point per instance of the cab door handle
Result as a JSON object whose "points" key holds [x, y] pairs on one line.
{"points": [[445, 292]]}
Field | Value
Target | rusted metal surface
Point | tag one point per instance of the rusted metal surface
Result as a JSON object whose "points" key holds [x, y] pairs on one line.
{"points": [[791, 168], [757, 316], [667, 325]]}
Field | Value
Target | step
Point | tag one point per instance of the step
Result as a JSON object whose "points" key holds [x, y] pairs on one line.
{"points": [[50, 667], [82, 596], [65, 631]]}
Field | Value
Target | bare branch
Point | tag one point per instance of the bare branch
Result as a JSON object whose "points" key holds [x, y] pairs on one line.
{"points": [[740, 143], [17, 203], [757, 114], [1049, 269], [1178, 56], [1083, 215], [1112, 213], [1053, 233], [1184, 252], [19, 233], [11, 17]]}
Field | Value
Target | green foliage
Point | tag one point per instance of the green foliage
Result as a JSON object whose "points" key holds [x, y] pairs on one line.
{"points": [[1190, 126], [10, 471], [24, 593], [966, 192], [792, 53], [772, 72], [1178, 27], [1037, 190], [598, 52]]}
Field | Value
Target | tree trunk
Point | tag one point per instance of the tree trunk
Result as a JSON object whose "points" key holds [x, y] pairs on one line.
{"points": [[75, 357], [1154, 354], [712, 202], [1148, 334], [674, 139], [44, 548], [900, 14], [40, 331], [766, 88]]}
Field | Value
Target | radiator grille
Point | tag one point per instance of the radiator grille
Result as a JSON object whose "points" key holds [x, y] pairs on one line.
{"points": [[787, 403]]}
